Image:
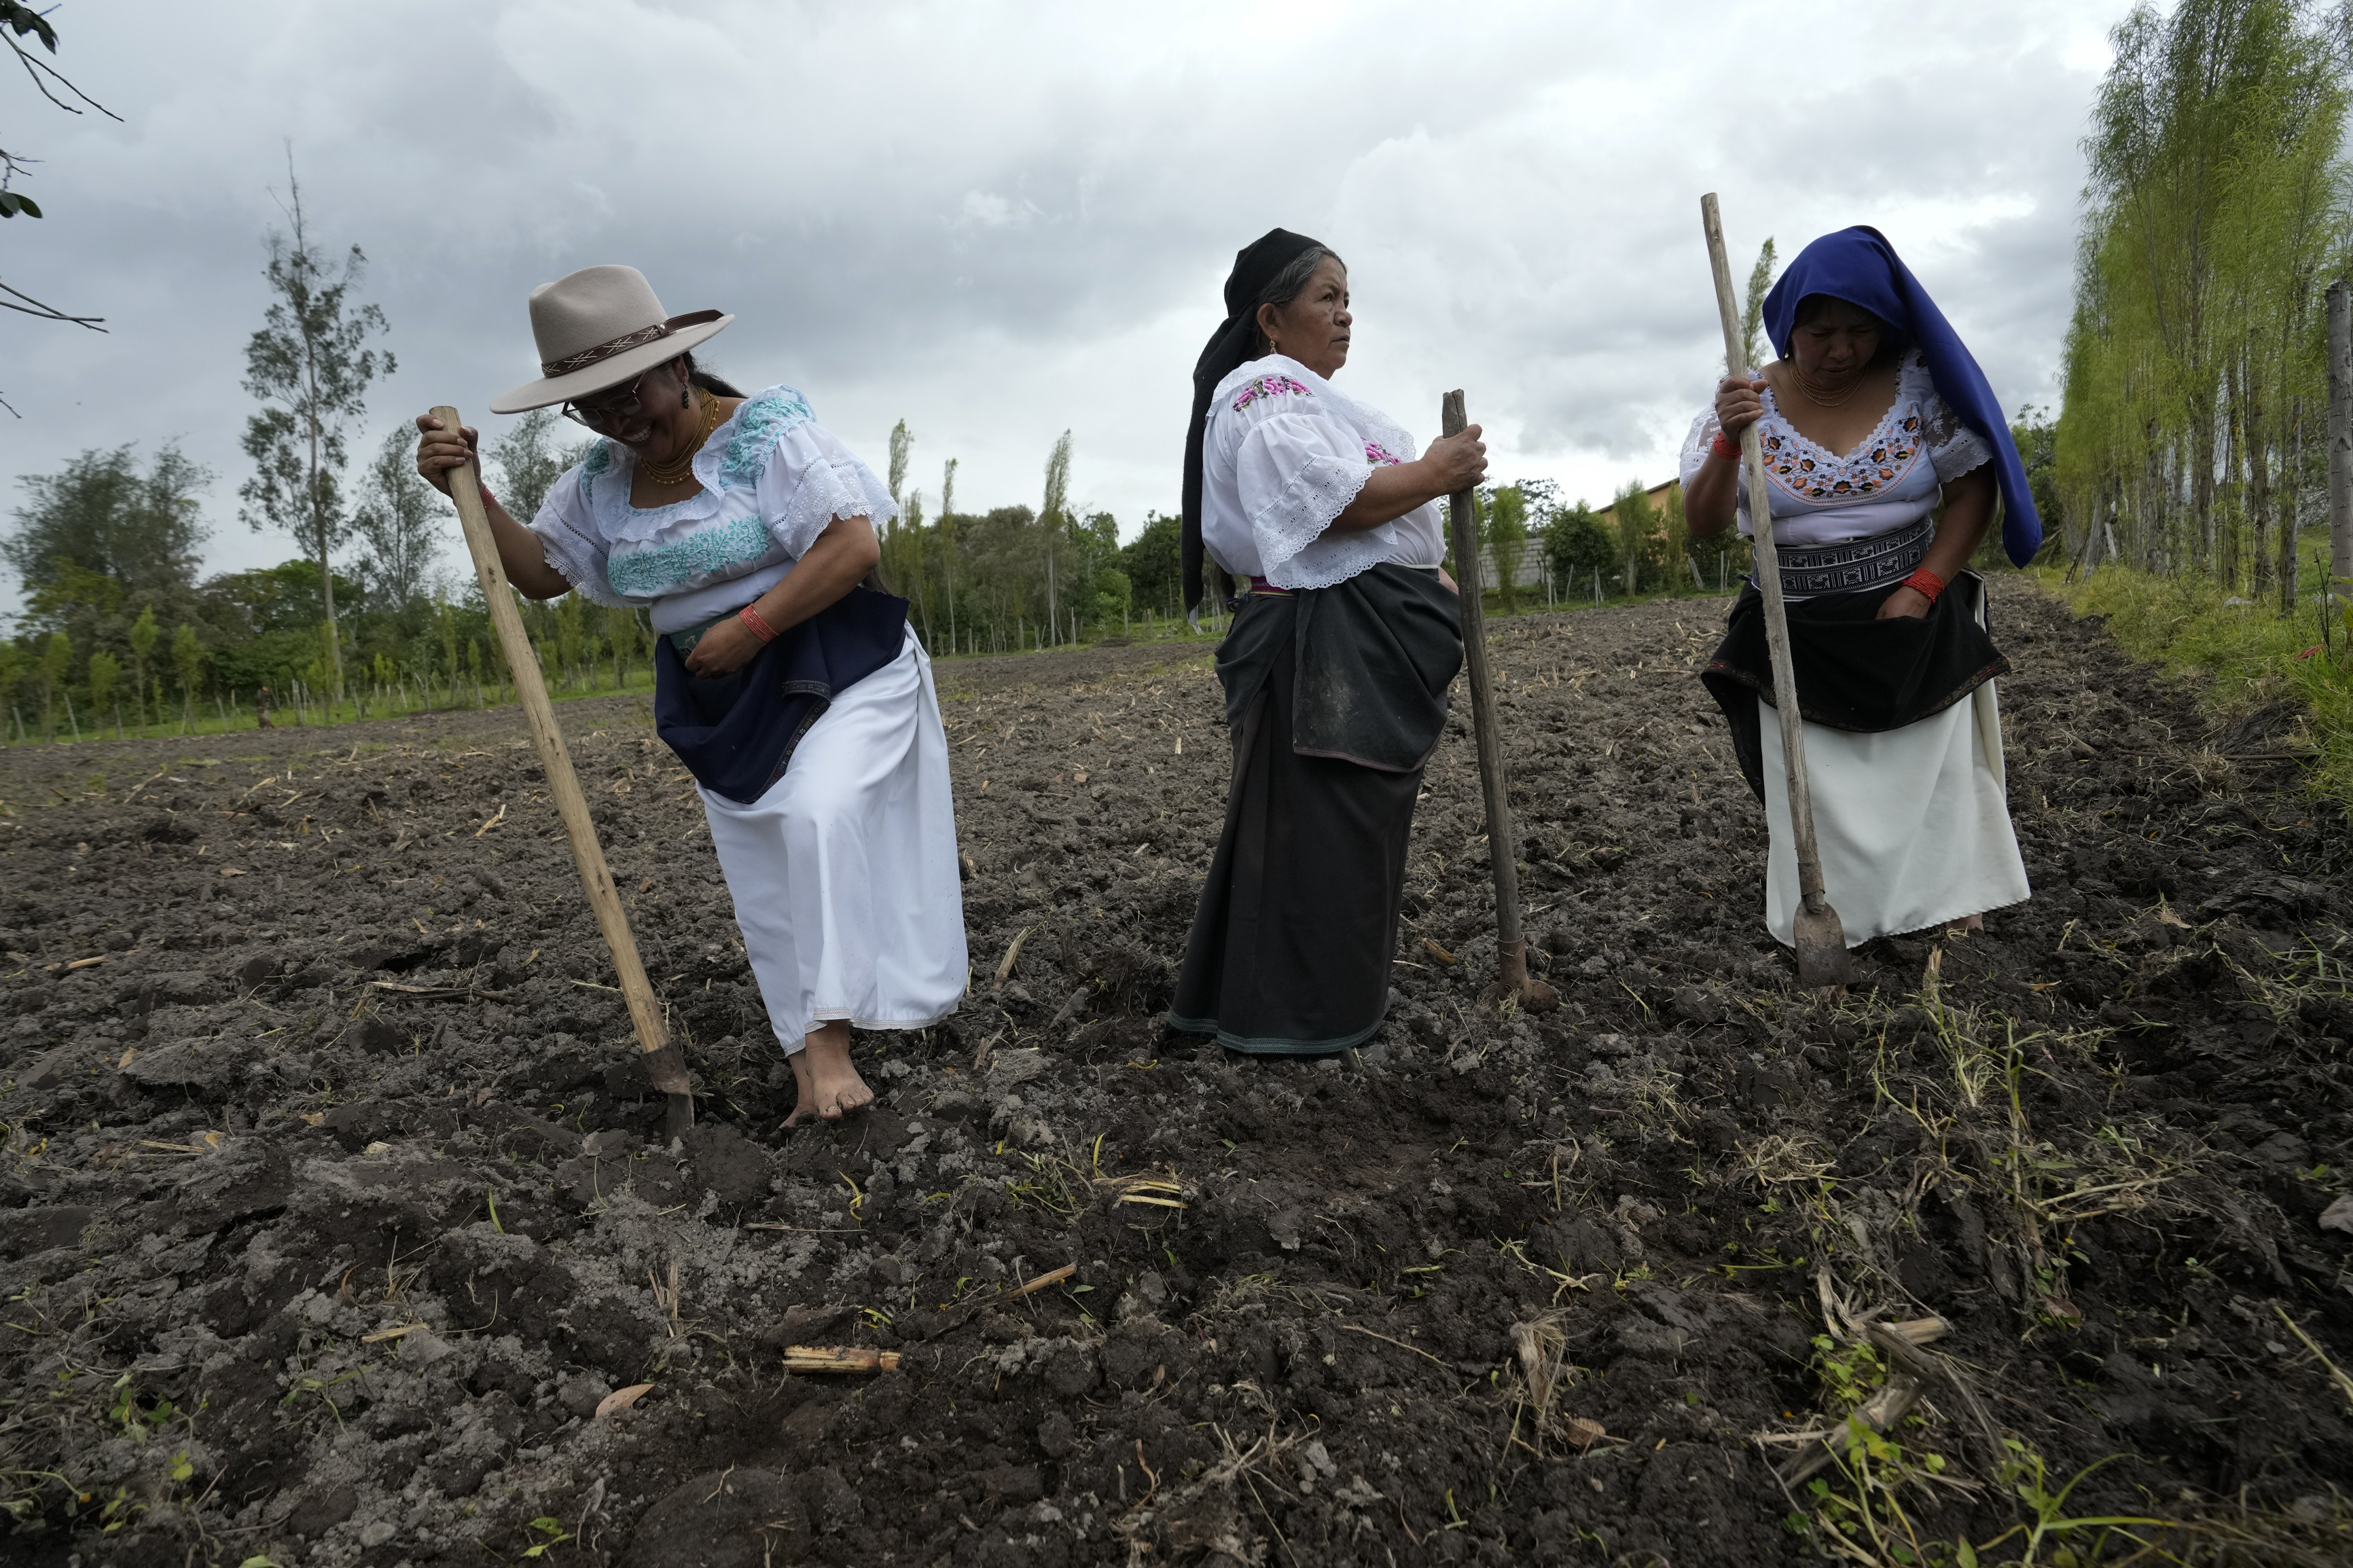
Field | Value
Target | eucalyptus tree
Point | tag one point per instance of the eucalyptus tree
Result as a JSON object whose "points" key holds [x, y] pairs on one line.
{"points": [[104, 512], [1505, 526], [1632, 510], [398, 521], [532, 455], [1752, 317], [1054, 516], [2216, 213], [947, 545], [309, 366]]}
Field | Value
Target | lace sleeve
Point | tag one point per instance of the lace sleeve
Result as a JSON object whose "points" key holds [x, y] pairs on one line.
{"points": [[1694, 453], [1954, 448], [568, 540], [812, 478], [1297, 472]]}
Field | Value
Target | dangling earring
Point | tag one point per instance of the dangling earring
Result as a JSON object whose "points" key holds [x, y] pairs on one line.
{"points": [[684, 392]]}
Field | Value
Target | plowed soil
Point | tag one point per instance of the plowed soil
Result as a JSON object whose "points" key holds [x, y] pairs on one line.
{"points": [[332, 1221]]}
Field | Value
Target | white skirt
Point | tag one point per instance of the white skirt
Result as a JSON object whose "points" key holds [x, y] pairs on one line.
{"points": [[1913, 824], [844, 873]]}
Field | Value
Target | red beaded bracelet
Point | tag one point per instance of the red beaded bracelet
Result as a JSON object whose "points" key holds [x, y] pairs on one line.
{"points": [[760, 629], [1926, 583], [1724, 446]]}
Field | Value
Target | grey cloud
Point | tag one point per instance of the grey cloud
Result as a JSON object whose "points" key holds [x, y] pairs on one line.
{"points": [[998, 222]]}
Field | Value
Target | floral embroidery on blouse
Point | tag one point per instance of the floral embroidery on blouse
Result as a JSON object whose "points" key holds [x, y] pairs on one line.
{"points": [[1268, 386], [1813, 472], [599, 458], [1376, 453], [758, 424], [659, 569]]}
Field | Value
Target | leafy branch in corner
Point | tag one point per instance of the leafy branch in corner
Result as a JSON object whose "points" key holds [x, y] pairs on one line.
{"points": [[16, 22]]}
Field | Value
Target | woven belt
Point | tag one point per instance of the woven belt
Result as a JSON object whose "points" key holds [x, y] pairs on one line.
{"points": [[1260, 586], [1858, 564]]}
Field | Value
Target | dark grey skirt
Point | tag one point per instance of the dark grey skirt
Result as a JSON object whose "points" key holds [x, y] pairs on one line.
{"points": [[1290, 947]]}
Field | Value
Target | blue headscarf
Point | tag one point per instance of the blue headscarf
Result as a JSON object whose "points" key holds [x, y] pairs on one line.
{"points": [[1859, 266]]}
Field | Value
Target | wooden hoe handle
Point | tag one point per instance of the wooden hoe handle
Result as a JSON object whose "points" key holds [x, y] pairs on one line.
{"points": [[1819, 940], [1769, 576], [663, 1064], [1502, 844]]}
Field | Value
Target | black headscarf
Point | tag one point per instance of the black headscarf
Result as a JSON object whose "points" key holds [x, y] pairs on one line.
{"points": [[1256, 265]]}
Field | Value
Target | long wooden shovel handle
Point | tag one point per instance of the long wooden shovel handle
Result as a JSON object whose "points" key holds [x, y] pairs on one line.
{"points": [[663, 1063], [1769, 577]]}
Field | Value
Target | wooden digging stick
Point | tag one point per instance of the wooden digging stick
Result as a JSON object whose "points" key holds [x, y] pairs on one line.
{"points": [[1512, 978], [663, 1064], [1822, 957]]}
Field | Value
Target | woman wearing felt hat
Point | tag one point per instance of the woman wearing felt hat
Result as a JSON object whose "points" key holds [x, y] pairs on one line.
{"points": [[786, 681]]}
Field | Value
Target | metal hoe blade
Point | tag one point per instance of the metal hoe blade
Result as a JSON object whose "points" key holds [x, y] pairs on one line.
{"points": [[1822, 957]]}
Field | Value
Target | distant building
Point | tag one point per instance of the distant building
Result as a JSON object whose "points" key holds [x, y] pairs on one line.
{"points": [[1658, 494]]}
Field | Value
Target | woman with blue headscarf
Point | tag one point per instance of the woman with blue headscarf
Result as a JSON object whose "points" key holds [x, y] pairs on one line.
{"points": [[1886, 457]]}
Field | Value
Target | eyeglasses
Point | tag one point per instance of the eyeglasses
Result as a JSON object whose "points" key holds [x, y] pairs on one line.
{"points": [[618, 408]]}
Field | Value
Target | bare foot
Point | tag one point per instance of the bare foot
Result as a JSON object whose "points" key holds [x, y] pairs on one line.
{"points": [[829, 1086], [1964, 926]]}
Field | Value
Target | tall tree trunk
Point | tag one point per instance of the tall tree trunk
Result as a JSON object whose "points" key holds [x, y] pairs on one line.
{"points": [[2340, 432], [2202, 484], [2291, 506], [334, 638], [2254, 436]]}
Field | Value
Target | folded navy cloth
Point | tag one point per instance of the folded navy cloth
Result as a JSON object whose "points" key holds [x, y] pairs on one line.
{"points": [[736, 732]]}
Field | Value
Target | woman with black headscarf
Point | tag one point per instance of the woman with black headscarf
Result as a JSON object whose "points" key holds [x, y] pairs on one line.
{"points": [[1875, 416], [1336, 669]]}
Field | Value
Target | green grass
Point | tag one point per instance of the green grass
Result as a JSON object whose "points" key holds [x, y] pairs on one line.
{"points": [[2248, 656], [222, 720]]}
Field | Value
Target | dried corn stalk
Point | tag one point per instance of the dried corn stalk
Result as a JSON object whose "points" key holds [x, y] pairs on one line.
{"points": [[838, 1358]]}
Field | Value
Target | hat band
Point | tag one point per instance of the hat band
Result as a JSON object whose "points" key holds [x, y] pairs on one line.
{"points": [[625, 342]]}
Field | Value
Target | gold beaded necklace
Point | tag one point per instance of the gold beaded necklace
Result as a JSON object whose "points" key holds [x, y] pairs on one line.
{"points": [[1807, 385], [678, 470]]}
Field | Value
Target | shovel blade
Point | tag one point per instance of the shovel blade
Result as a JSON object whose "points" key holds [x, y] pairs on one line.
{"points": [[678, 1118], [1822, 957]]}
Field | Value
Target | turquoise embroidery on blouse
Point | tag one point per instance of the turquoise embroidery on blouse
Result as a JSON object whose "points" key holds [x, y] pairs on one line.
{"points": [[599, 458], [662, 569], [758, 424]]}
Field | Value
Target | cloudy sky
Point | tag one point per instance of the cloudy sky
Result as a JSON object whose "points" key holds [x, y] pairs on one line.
{"points": [[1000, 221]]}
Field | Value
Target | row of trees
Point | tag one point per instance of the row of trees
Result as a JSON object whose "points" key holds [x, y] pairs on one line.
{"points": [[119, 628], [1017, 576], [2218, 208], [107, 550]]}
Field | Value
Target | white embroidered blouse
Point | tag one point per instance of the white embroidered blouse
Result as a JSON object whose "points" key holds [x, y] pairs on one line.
{"points": [[773, 479], [1283, 454], [1893, 479]]}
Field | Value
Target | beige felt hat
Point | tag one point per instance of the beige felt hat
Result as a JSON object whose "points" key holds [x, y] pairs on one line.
{"points": [[600, 327]]}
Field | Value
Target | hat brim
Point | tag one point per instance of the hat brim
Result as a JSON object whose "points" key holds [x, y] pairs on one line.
{"points": [[625, 366]]}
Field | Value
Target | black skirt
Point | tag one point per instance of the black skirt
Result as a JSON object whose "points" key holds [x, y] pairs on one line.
{"points": [[1290, 947], [1855, 671]]}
